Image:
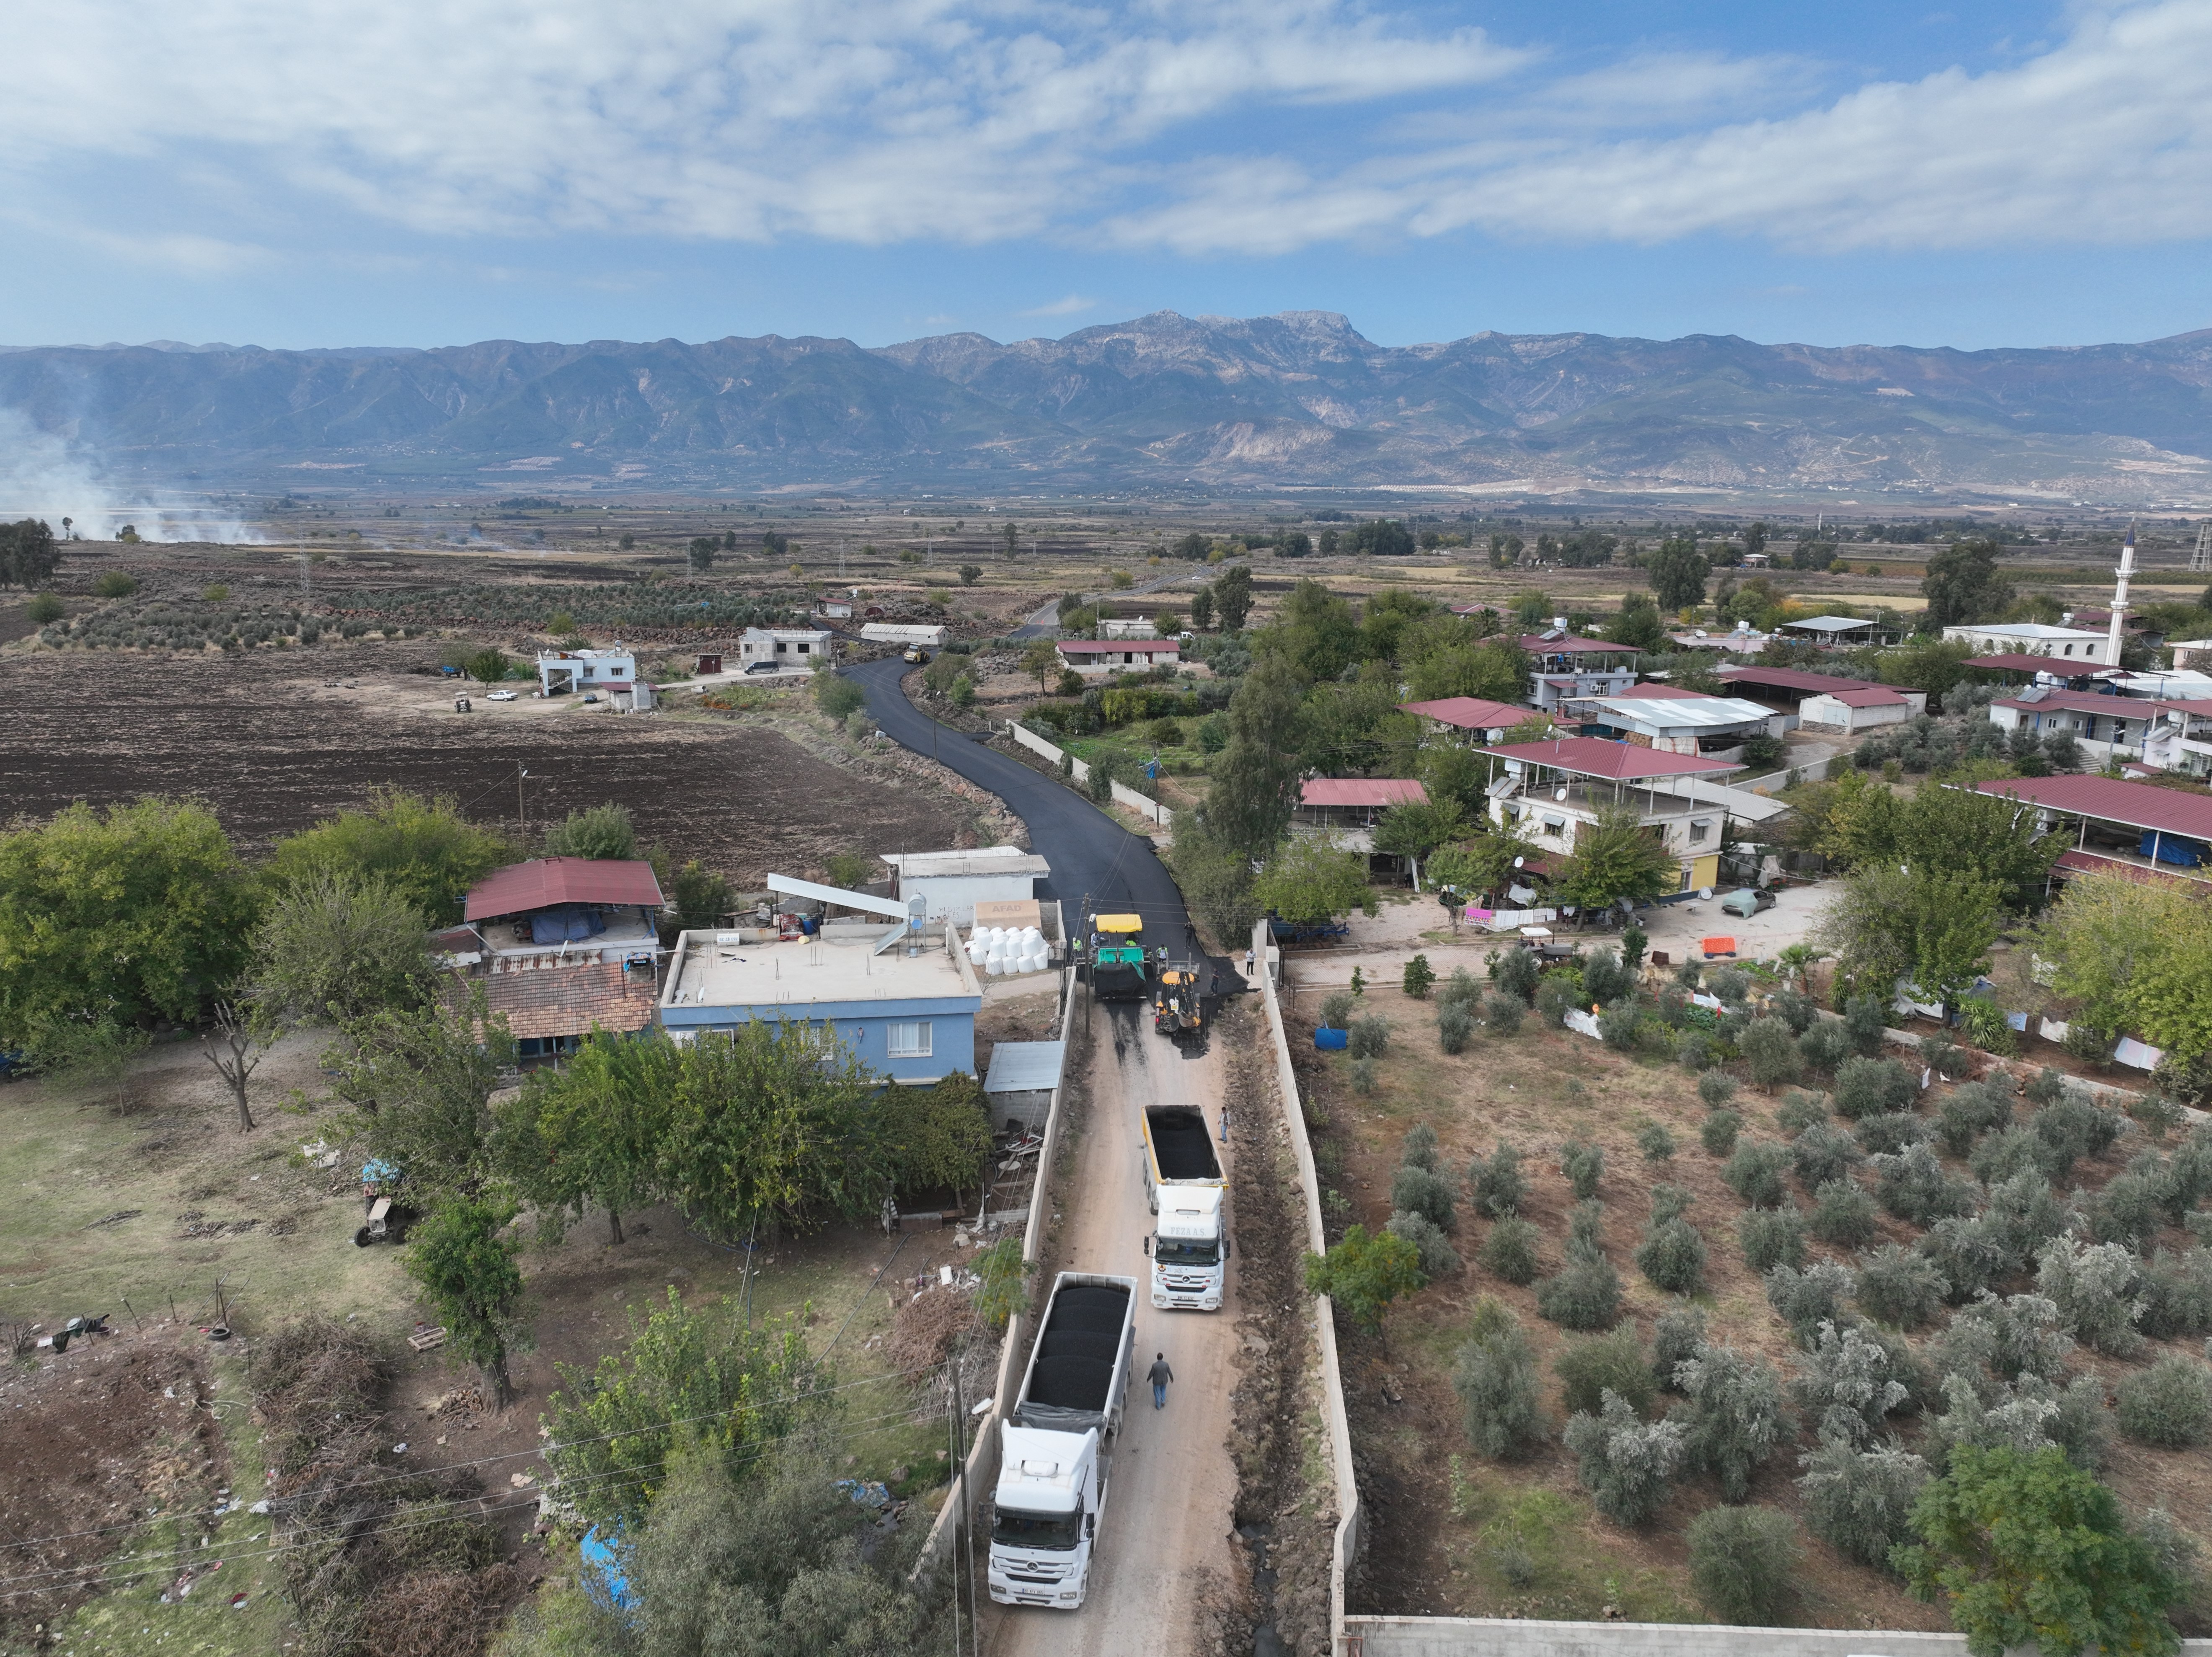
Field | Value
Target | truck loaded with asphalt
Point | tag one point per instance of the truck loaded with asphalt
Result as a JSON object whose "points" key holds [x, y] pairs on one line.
{"points": [[1183, 1185], [1054, 1460]]}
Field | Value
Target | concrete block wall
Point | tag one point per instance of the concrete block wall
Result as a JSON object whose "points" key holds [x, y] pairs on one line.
{"points": [[1489, 1636], [1150, 810]]}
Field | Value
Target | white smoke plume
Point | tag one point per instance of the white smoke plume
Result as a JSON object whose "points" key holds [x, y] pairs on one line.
{"points": [[43, 476]]}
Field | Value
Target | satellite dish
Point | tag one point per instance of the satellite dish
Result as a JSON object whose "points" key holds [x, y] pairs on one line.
{"points": [[1559, 793], [1705, 892], [1516, 863]]}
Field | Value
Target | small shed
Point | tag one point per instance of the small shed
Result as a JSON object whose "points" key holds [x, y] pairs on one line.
{"points": [[951, 884], [1860, 707], [1019, 1088]]}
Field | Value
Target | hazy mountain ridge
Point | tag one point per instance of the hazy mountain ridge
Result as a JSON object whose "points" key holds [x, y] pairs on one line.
{"points": [[1298, 398]]}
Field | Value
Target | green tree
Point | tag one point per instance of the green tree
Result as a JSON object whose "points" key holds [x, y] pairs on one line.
{"points": [[1637, 623], [29, 555], [1041, 661], [591, 1131], [430, 853], [704, 549], [2030, 1549], [421, 1080], [1362, 1274], [1676, 572], [1255, 778], [1216, 879], [465, 1263], [1201, 610], [702, 898], [488, 667], [778, 1125], [834, 694], [1962, 584], [1417, 828], [114, 917], [1311, 879], [1932, 927], [1495, 670], [1314, 631], [698, 1377], [1232, 597], [339, 944], [940, 1136], [1481, 864], [1615, 857], [970, 574], [597, 831]]}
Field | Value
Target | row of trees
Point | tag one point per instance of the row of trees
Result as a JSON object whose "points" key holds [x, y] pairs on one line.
{"points": [[113, 918]]}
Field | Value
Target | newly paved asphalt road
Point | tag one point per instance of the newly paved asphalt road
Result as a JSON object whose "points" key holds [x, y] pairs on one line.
{"points": [[1095, 863]]}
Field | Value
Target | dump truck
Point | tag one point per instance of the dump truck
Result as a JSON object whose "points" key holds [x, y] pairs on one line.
{"points": [[1178, 1000], [1183, 1185], [1053, 1444], [1119, 968]]}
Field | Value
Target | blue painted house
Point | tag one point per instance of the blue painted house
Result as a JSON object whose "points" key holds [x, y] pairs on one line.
{"points": [[907, 1017]]}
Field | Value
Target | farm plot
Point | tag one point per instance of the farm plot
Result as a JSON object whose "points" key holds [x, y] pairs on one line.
{"points": [[273, 750], [1457, 1531]]}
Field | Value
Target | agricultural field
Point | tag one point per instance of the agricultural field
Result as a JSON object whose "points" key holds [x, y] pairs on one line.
{"points": [[140, 1198], [1458, 1532]]}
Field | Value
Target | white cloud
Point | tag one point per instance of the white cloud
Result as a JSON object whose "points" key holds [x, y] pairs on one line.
{"points": [[1231, 127], [1074, 305]]}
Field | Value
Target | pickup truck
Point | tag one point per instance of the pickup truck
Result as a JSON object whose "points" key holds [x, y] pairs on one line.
{"points": [[1054, 1464]]}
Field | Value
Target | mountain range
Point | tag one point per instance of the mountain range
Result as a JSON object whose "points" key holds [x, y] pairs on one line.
{"points": [[1162, 401]]}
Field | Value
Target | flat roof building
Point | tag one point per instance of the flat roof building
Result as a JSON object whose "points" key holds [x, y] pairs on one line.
{"points": [[2033, 639], [951, 884], [788, 650], [908, 1018], [1118, 655], [563, 672]]}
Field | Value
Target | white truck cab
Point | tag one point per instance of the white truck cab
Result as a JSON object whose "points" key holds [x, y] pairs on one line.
{"points": [[1046, 1518], [1190, 1249]]}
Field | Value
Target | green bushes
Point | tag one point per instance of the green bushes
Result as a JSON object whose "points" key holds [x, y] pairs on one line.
{"points": [[1715, 1091], [1718, 1130], [1771, 1236], [1805, 1300], [1860, 1501], [1418, 1190], [1510, 1252], [1624, 1464], [1583, 1164], [1496, 1184], [1822, 1154], [1891, 1132], [1503, 1013], [1755, 1173], [1913, 1187], [1900, 1287], [1737, 1416], [2177, 1295], [1516, 972], [1585, 1295], [1455, 1028], [1364, 1274], [2093, 1285], [1872, 1087], [1770, 1052], [1843, 1214], [1654, 1143], [1673, 1256], [2169, 1405], [1612, 1363], [1496, 1382], [1437, 1257], [1368, 1037]]}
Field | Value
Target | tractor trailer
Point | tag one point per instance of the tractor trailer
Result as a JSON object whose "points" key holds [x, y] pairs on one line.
{"points": [[1053, 1455], [1183, 1184]]}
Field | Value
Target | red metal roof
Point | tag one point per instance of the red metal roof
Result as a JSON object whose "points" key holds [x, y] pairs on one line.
{"points": [[2133, 805], [2091, 702], [1791, 679], [1617, 762], [1873, 696], [1143, 646], [1364, 790], [1660, 691], [548, 881], [570, 1000], [1471, 712]]}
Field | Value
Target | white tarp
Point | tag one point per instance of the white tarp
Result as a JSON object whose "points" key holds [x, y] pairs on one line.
{"points": [[2137, 1056], [2053, 1029], [1582, 1023]]}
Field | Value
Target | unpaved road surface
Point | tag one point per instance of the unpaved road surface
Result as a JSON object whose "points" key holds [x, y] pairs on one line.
{"points": [[1163, 1559]]}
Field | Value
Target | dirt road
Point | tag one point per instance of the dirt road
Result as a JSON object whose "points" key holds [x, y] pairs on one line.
{"points": [[1163, 1556]]}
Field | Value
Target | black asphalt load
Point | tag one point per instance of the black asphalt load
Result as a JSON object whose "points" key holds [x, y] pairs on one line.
{"points": [[1097, 866]]}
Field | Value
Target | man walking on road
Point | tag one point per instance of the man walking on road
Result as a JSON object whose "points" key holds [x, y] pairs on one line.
{"points": [[1160, 1376]]}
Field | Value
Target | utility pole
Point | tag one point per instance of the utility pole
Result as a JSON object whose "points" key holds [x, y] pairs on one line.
{"points": [[520, 814]]}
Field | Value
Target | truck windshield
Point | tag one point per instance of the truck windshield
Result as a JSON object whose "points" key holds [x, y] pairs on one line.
{"points": [[1168, 1252], [1054, 1533]]}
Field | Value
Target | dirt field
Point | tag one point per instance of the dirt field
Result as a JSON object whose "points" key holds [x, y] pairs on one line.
{"points": [[272, 749], [1438, 1508]]}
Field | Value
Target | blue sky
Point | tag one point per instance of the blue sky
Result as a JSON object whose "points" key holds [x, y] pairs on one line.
{"points": [[315, 173]]}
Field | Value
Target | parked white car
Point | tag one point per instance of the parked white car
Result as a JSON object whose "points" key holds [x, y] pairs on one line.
{"points": [[500, 697]]}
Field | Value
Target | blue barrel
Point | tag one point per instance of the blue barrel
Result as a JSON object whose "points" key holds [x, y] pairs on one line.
{"points": [[1332, 1041]]}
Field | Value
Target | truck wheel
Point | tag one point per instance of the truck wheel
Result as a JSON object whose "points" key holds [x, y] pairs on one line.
{"points": [[361, 1239]]}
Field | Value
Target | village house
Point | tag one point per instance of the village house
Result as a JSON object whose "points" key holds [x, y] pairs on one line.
{"points": [[1566, 666], [784, 650], [1549, 791], [2033, 639], [561, 946], [902, 1001], [951, 884], [2137, 826], [2160, 735], [1677, 721], [564, 672], [1099, 656], [1483, 720]]}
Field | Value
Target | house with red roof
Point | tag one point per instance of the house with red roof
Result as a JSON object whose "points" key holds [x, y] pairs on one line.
{"points": [[564, 945], [1473, 716], [1099, 656], [2141, 826], [1549, 792]]}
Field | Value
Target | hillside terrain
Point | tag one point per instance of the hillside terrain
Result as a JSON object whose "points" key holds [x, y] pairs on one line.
{"points": [[1159, 402]]}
